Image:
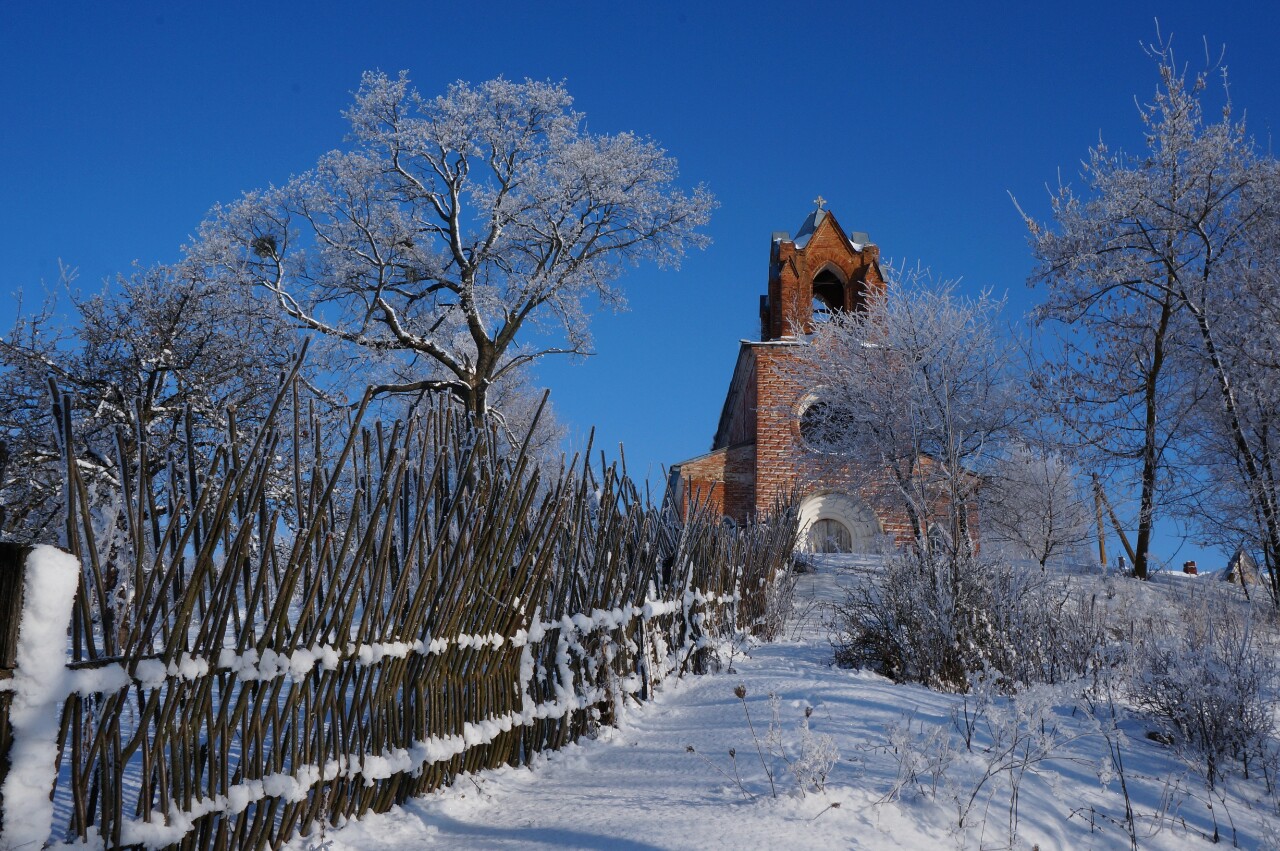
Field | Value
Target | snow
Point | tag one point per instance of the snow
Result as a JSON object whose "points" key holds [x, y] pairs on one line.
{"points": [[102, 680], [782, 341], [40, 682], [664, 779]]}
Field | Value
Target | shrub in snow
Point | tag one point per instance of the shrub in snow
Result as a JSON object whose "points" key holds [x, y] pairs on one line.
{"points": [[1046, 659], [905, 625], [936, 618], [809, 758], [816, 755], [983, 759], [1213, 690], [922, 759]]}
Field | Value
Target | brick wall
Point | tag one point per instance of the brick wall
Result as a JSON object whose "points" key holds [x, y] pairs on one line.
{"points": [[703, 479], [778, 448]]}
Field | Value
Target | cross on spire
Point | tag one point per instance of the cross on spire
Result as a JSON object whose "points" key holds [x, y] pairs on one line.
{"points": [[820, 201]]}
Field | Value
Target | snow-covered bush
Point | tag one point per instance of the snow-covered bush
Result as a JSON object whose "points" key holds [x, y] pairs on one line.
{"points": [[1213, 690], [922, 758], [915, 624], [936, 618]]}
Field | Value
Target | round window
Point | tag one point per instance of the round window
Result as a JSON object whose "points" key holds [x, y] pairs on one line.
{"points": [[826, 427]]}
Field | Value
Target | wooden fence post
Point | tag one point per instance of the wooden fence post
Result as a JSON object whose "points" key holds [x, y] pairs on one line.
{"points": [[13, 559]]}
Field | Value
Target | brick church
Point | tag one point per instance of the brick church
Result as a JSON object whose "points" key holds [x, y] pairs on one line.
{"points": [[757, 454]]}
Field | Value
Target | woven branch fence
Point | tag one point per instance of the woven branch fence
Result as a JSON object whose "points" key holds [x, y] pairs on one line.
{"points": [[294, 632]]}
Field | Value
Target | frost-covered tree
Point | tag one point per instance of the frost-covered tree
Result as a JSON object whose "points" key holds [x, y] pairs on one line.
{"points": [[161, 356], [1240, 420], [1115, 369], [919, 387], [467, 234], [1032, 503], [1164, 265]]}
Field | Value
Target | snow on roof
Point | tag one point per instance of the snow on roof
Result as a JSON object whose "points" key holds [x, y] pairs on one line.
{"points": [[781, 341], [810, 225], [857, 242]]}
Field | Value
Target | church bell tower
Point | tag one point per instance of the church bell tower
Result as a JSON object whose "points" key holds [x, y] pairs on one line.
{"points": [[817, 272]]}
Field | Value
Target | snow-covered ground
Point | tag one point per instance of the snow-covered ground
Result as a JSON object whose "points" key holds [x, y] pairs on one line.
{"points": [[665, 779]]}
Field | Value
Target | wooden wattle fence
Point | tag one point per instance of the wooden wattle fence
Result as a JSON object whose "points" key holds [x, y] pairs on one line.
{"points": [[291, 633]]}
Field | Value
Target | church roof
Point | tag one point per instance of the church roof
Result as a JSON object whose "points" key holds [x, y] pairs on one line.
{"points": [[808, 228], [857, 241]]}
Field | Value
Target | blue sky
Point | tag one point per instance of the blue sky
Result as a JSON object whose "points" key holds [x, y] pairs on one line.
{"points": [[121, 124]]}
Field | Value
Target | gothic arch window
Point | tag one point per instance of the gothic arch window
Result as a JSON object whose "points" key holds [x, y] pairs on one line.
{"points": [[939, 540]]}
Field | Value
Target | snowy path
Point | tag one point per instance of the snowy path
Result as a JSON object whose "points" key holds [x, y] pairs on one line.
{"points": [[638, 788]]}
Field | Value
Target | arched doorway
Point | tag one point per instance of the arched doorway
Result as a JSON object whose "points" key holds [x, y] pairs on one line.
{"points": [[839, 523]]}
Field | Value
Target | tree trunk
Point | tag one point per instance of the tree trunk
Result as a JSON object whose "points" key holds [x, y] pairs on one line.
{"points": [[476, 404], [1150, 459]]}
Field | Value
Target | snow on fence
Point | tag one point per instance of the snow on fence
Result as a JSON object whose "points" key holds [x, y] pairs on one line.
{"points": [[268, 641]]}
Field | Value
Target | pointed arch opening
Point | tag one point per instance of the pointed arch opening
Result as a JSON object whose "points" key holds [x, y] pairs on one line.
{"points": [[828, 293]]}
